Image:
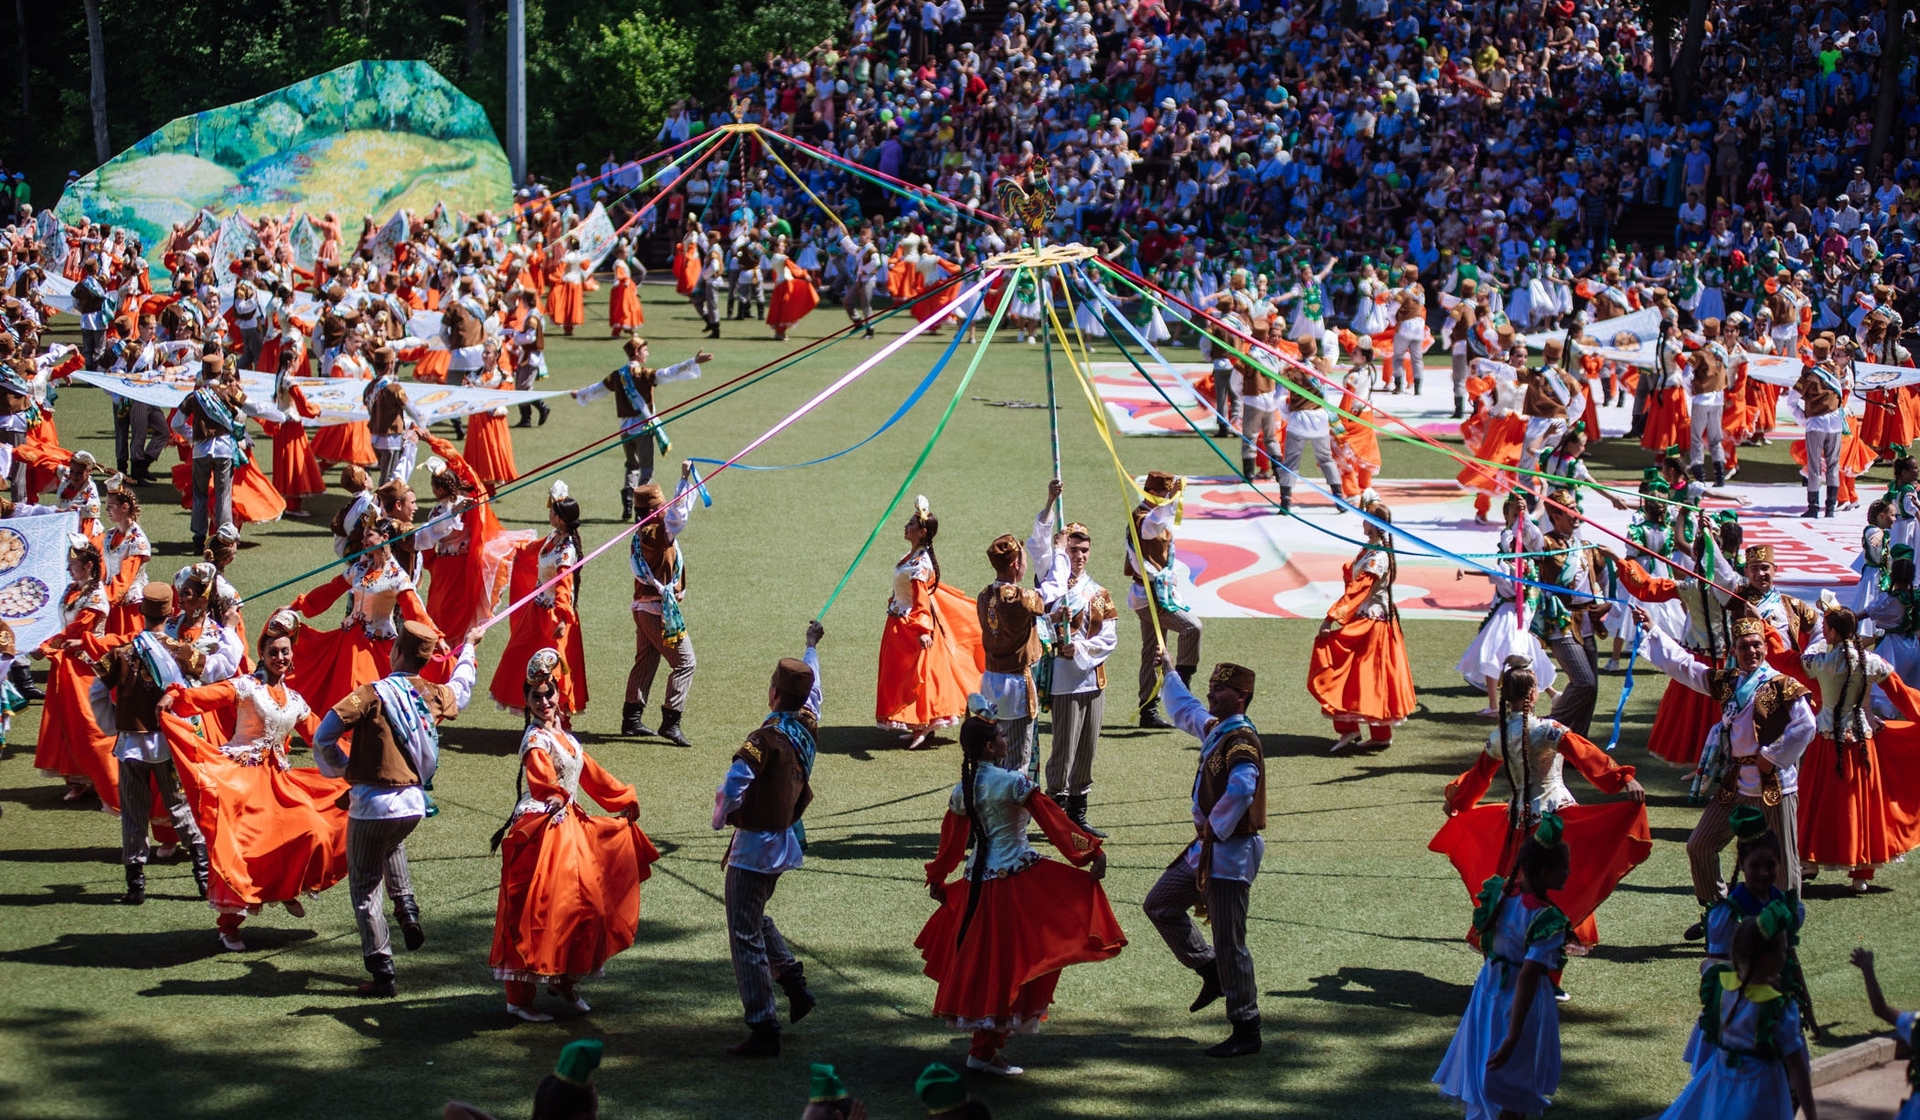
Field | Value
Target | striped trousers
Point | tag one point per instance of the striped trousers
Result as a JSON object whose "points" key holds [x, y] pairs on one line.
{"points": [[1713, 834], [1167, 906], [377, 852], [760, 955], [138, 780]]}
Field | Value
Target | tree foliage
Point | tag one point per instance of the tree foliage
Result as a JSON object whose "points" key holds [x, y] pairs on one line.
{"points": [[600, 73]]}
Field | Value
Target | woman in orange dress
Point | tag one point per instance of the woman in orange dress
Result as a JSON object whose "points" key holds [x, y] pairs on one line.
{"points": [[550, 619], [273, 833], [1005, 929], [930, 652], [793, 293], [296, 473], [569, 882], [458, 531], [566, 287], [1357, 448], [1495, 433], [624, 314], [1667, 418], [335, 662], [489, 446], [254, 497], [71, 745], [1482, 841], [348, 442], [127, 553], [1359, 671]]}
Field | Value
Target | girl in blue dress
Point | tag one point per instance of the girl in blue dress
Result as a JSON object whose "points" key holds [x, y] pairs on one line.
{"points": [[1757, 1064], [1504, 1061]]}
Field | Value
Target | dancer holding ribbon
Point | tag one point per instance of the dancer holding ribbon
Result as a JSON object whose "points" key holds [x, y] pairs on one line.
{"points": [[1155, 595], [659, 629], [632, 386], [931, 657], [1359, 671]]}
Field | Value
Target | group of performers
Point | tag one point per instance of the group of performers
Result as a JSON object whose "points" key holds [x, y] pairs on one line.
{"points": [[1793, 717]]}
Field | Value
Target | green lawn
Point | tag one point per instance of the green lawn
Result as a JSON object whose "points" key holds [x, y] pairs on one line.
{"points": [[115, 1012]]}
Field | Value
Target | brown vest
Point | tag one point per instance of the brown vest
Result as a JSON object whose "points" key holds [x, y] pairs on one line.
{"points": [[387, 411], [1800, 617], [1157, 551], [1007, 633], [616, 384], [780, 792], [463, 330], [1253, 383], [373, 757], [136, 695], [1238, 746], [1710, 370], [660, 558], [1539, 401], [1818, 396], [1772, 702]]}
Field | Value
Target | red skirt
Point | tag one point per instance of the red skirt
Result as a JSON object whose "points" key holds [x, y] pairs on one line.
{"points": [[457, 592], [1681, 723], [1667, 421], [1858, 808], [569, 894], [254, 498], [791, 301], [533, 630], [623, 307], [1361, 670], [272, 834], [489, 448], [921, 688], [1501, 444], [329, 664], [350, 442], [566, 305], [71, 744], [433, 366], [296, 473], [1607, 841], [1028, 926]]}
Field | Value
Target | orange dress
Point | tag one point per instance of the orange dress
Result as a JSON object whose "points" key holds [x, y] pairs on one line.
{"points": [[686, 268], [1359, 668], [1667, 420], [489, 448], [623, 303], [792, 299], [296, 473], [71, 744], [1031, 921], [903, 278], [569, 882], [935, 305], [1607, 841], [1357, 450], [566, 298], [927, 687], [1860, 804], [273, 833], [254, 496], [329, 664], [536, 626], [127, 553], [350, 442]]}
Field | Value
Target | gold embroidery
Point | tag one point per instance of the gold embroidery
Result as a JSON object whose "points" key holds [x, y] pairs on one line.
{"points": [[1081, 843], [751, 752]]}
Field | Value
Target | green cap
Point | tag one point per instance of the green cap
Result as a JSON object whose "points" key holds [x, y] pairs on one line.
{"points": [[578, 1060], [825, 1085], [939, 1089], [1747, 822], [1547, 832]]}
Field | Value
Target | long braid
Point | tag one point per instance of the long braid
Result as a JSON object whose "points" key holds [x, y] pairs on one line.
{"points": [[1506, 756], [969, 774]]}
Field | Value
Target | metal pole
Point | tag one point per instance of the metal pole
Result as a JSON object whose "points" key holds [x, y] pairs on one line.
{"points": [[1053, 406], [517, 91]]}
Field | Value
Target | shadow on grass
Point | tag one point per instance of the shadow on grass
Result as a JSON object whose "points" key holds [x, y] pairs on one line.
{"points": [[1442, 768], [60, 855], [137, 950], [63, 894], [493, 742], [1398, 989]]}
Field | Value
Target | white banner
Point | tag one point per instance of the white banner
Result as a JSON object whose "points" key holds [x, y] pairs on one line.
{"points": [[57, 291], [1623, 332], [597, 237], [392, 234], [236, 239], [33, 575], [304, 241], [337, 398]]}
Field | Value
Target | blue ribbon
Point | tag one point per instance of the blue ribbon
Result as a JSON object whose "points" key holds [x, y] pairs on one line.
{"points": [[1433, 550], [906, 406], [1626, 688]]}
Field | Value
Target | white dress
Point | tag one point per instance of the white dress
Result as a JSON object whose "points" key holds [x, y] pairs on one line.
{"points": [[1872, 560], [1527, 1082], [1371, 316], [1507, 629]]}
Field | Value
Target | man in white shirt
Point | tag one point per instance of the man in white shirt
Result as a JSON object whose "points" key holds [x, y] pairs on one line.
{"points": [[1815, 400], [1155, 595], [1081, 634]]}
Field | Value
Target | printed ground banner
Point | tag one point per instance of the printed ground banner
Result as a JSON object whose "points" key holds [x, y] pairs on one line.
{"points": [[337, 398], [33, 572]]}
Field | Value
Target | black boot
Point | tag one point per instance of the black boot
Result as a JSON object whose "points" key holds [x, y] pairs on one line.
{"points": [[22, 678], [1813, 504], [383, 985], [1719, 474], [199, 543], [1150, 717], [670, 728], [713, 328], [407, 912], [1459, 406], [1286, 499], [764, 1042], [633, 719], [526, 416], [1833, 501], [1244, 1040], [799, 998], [626, 503], [202, 868], [1247, 469], [1077, 813], [1696, 932], [543, 410], [136, 884], [1210, 989], [142, 472]]}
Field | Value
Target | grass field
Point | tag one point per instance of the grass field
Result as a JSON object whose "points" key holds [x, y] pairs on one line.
{"points": [[109, 1011]]}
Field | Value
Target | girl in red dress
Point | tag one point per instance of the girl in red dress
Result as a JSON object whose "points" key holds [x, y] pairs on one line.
{"points": [[335, 662], [348, 442], [550, 619], [296, 473], [566, 293], [930, 652], [273, 833], [624, 313], [1007, 927], [1483, 841], [793, 293], [1495, 432], [489, 446], [456, 533], [71, 745], [569, 882], [127, 553], [1359, 672]]}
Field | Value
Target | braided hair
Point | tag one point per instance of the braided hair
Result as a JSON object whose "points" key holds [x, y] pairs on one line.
{"points": [[568, 511], [1847, 706], [976, 739], [1516, 685], [930, 527], [1378, 509]]}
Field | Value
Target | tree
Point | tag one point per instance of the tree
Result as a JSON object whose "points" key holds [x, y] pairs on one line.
{"points": [[97, 91], [1893, 55], [1686, 69]]}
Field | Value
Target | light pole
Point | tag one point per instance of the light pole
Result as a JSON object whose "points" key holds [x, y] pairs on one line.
{"points": [[517, 90]]}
